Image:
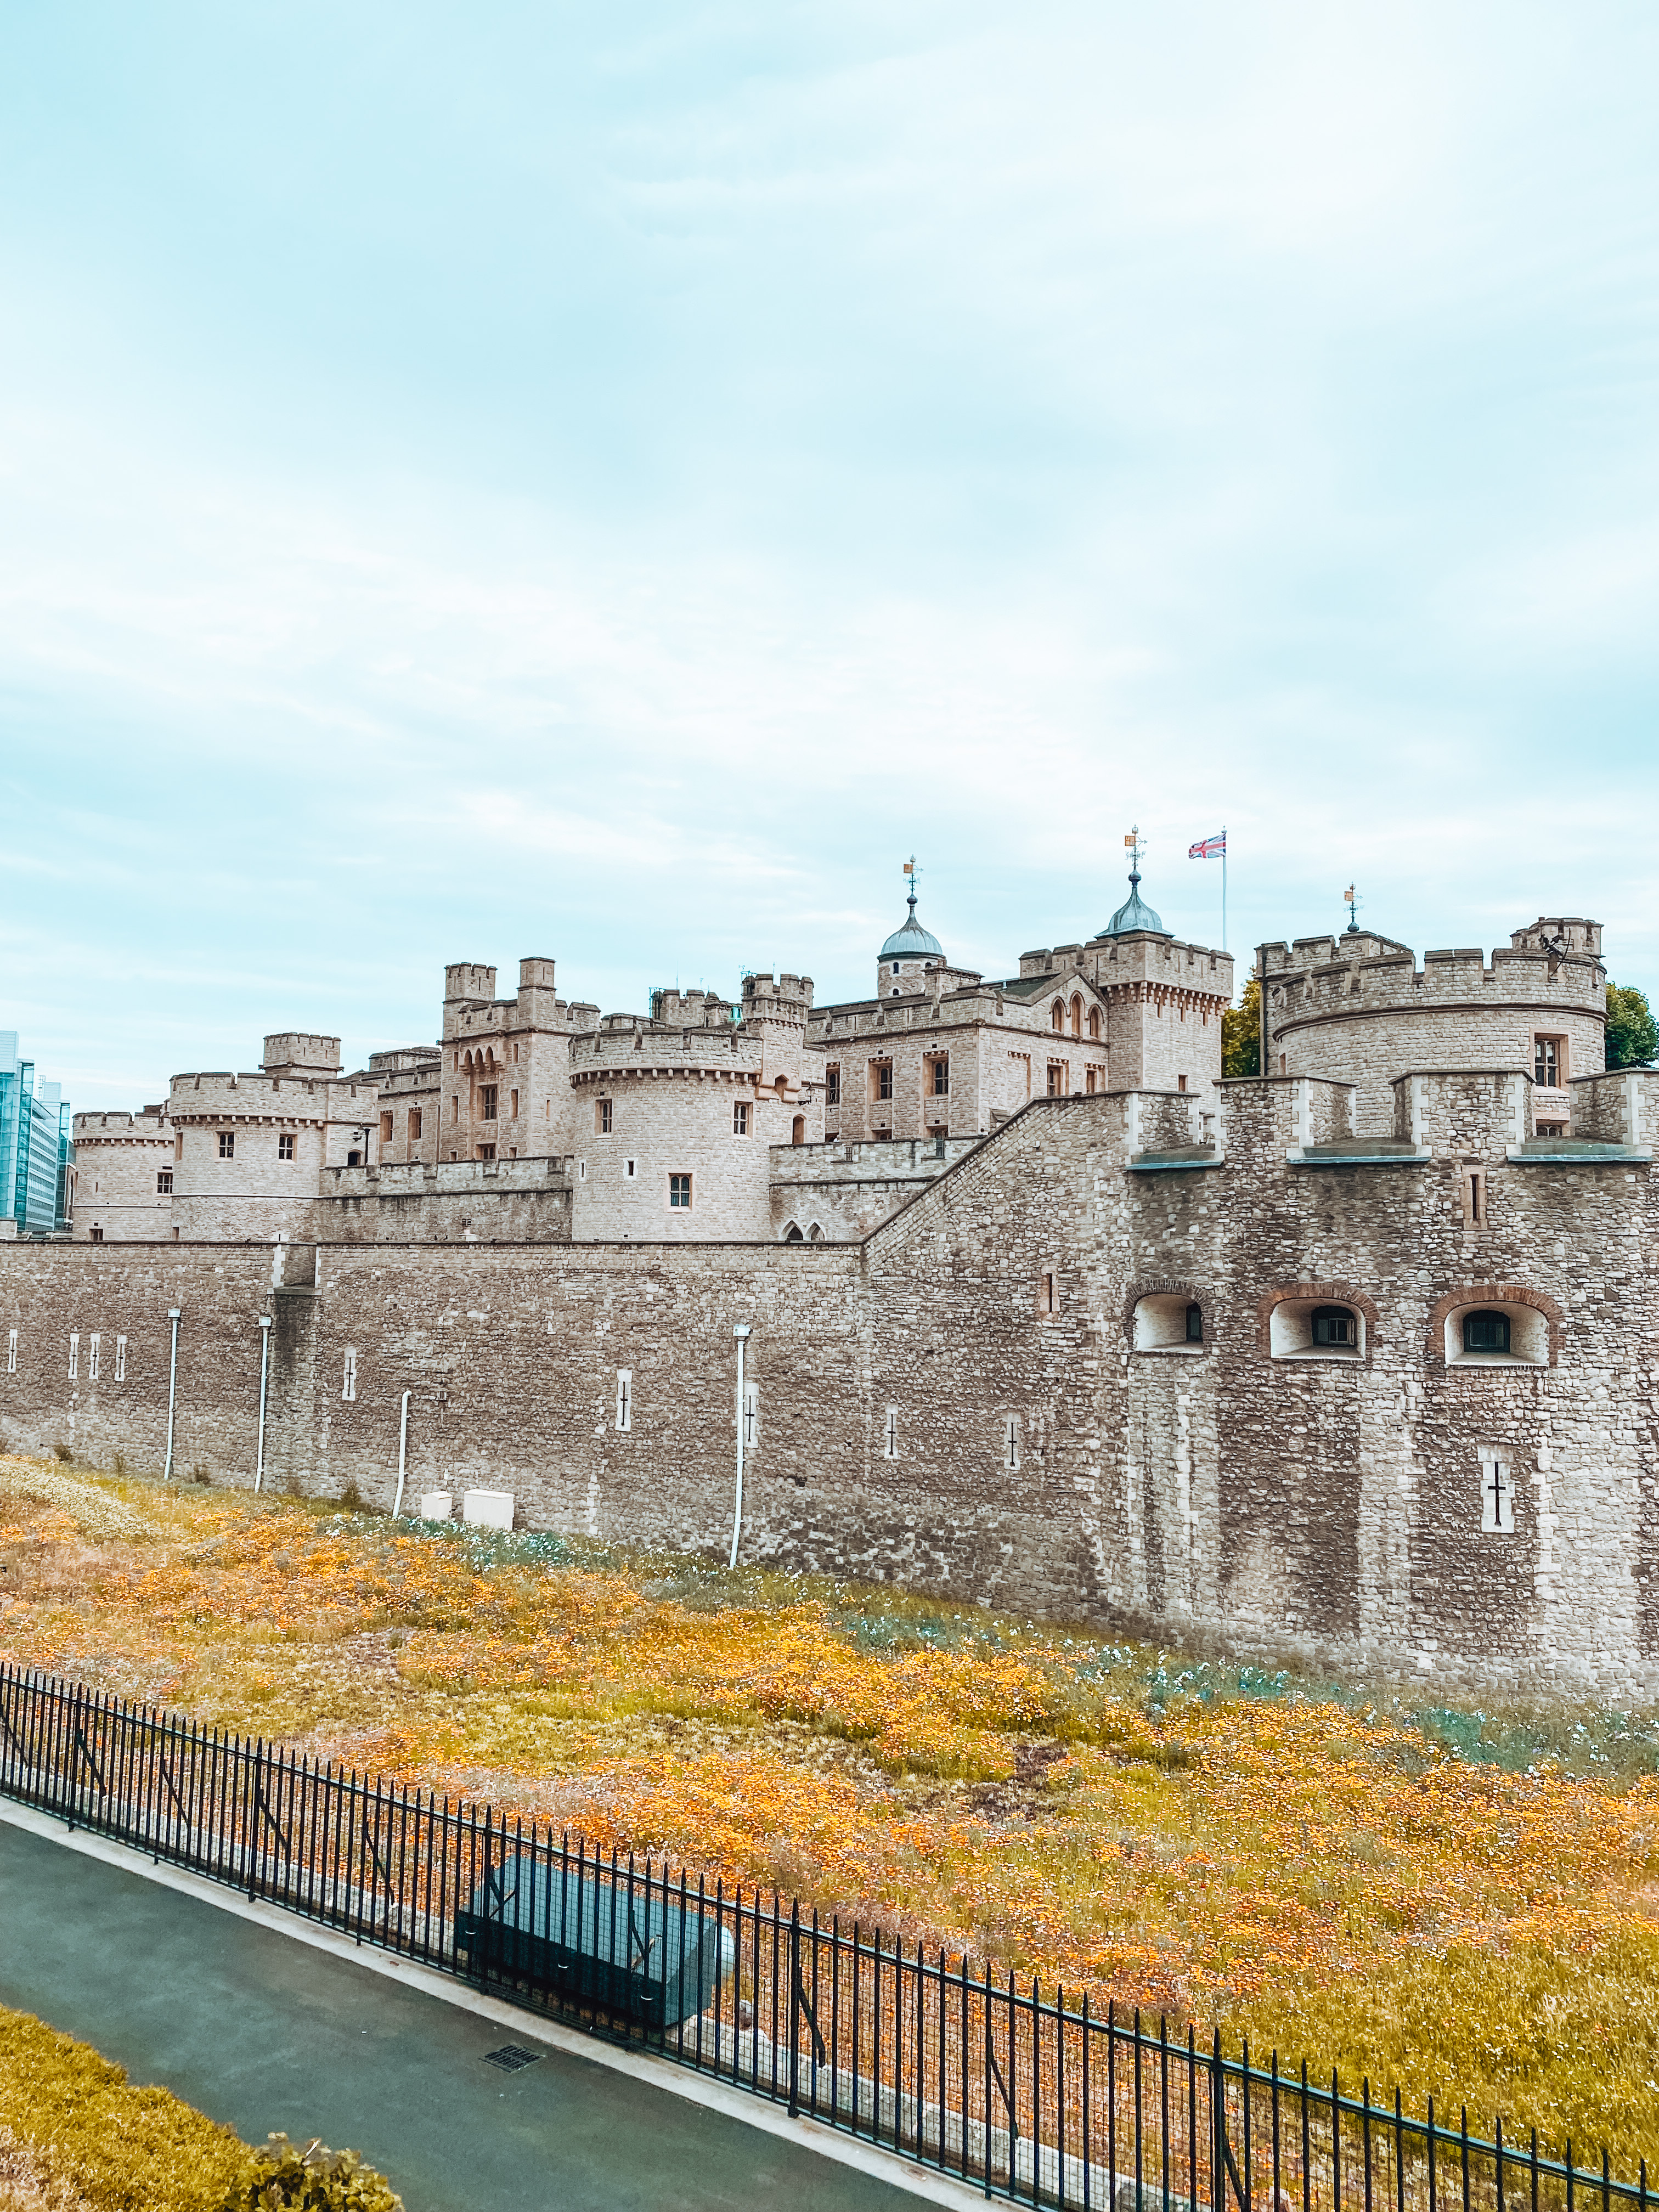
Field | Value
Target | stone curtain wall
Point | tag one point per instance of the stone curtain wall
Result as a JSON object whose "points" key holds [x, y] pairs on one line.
{"points": [[1330, 1505]]}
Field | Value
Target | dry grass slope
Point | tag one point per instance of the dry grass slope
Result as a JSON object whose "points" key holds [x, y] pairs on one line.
{"points": [[75, 2136], [1466, 1904]]}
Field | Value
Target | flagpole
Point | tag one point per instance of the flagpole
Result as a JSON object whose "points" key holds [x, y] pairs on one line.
{"points": [[1223, 887]]}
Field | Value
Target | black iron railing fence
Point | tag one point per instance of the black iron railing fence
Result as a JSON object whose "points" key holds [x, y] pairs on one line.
{"points": [[1030, 2098]]}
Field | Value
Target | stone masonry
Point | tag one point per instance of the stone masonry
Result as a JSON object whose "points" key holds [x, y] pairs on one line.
{"points": [[1360, 1364]]}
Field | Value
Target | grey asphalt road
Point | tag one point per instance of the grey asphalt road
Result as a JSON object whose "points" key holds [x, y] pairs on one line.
{"points": [[267, 2033]]}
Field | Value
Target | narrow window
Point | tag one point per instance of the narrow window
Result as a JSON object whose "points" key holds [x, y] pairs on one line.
{"points": [[1057, 1016], [514, 1096], [941, 1078], [227, 1144], [624, 1398], [832, 1083], [1181, 1082], [94, 1346], [97, 1234], [889, 1435], [1335, 1325], [179, 1147], [1547, 1054], [1485, 1332], [798, 1130], [1046, 1301], [603, 1122], [164, 1182], [11, 1354], [1077, 1016], [414, 1125], [74, 1352], [1194, 1324], [455, 1107], [581, 1170], [740, 1118], [751, 1415], [630, 1169], [1092, 1080], [895, 970], [679, 1191], [1474, 1199], [1056, 1078], [1094, 1023], [385, 1128], [120, 1359], [1496, 1497], [1011, 1442], [486, 1152], [487, 1101], [349, 1386]]}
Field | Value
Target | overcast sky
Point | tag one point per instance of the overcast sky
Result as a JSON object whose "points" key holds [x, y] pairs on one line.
{"points": [[611, 482]]}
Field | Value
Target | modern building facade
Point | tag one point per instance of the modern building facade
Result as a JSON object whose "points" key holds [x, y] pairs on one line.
{"points": [[36, 1150]]}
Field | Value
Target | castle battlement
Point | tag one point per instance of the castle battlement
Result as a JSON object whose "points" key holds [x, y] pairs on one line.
{"points": [[1359, 1008], [636, 1047], [300, 1052]]}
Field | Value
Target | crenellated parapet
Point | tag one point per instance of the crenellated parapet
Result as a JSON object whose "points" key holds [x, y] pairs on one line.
{"points": [[1358, 1008]]}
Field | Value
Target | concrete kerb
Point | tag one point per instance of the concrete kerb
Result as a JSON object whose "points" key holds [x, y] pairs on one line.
{"points": [[899, 2173]]}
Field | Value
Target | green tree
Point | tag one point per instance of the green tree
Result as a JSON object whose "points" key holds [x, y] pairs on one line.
{"points": [[1632, 1033], [1241, 1032]]}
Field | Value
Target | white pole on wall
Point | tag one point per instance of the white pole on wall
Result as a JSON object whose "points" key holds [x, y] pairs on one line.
{"points": [[264, 1370], [403, 1454], [741, 1331], [173, 1390]]}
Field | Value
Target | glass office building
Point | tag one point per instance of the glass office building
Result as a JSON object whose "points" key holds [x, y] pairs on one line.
{"points": [[37, 1149]]}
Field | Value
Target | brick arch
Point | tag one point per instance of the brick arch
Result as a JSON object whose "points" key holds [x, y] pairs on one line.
{"points": [[1492, 1294], [1329, 1293], [1163, 1286]]}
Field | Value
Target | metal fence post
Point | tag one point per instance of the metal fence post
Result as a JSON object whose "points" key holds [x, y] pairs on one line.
{"points": [[794, 2010]]}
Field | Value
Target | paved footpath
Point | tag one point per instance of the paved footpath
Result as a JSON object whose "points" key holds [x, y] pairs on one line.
{"points": [[268, 2034]]}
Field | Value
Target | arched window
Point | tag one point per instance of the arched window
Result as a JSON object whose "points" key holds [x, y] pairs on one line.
{"points": [[1094, 1022], [792, 1234], [797, 1133], [1336, 1325], [1194, 1324], [1077, 1016], [1486, 1331], [1057, 1015]]}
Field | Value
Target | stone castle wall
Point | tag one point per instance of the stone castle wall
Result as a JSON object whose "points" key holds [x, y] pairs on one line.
{"points": [[985, 1399], [125, 1179]]}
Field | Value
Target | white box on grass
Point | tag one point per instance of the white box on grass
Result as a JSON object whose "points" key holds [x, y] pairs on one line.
{"points": [[437, 1504], [488, 1508]]}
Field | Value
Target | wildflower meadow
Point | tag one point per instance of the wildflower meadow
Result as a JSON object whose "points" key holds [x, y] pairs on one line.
{"points": [[1462, 1902]]}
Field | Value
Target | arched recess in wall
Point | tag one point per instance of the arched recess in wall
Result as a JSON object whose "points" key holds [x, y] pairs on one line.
{"points": [[1286, 1323], [792, 1234], [1057, 1015], [815, 1234], [1156, 1310], [1076, 1013], [1536, 1327]]}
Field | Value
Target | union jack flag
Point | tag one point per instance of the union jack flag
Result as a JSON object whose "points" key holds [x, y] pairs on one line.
{"points": [[1209, 848]]}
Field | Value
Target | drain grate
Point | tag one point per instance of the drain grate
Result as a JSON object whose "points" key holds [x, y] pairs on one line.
{"points": [[511, 2056]]}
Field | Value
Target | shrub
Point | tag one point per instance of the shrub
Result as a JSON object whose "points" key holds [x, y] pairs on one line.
{"points": [[282, 2178], [61, 1451]]}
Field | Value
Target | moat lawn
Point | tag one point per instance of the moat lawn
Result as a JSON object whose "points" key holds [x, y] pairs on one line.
{"points": [[1462, 1903]]}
